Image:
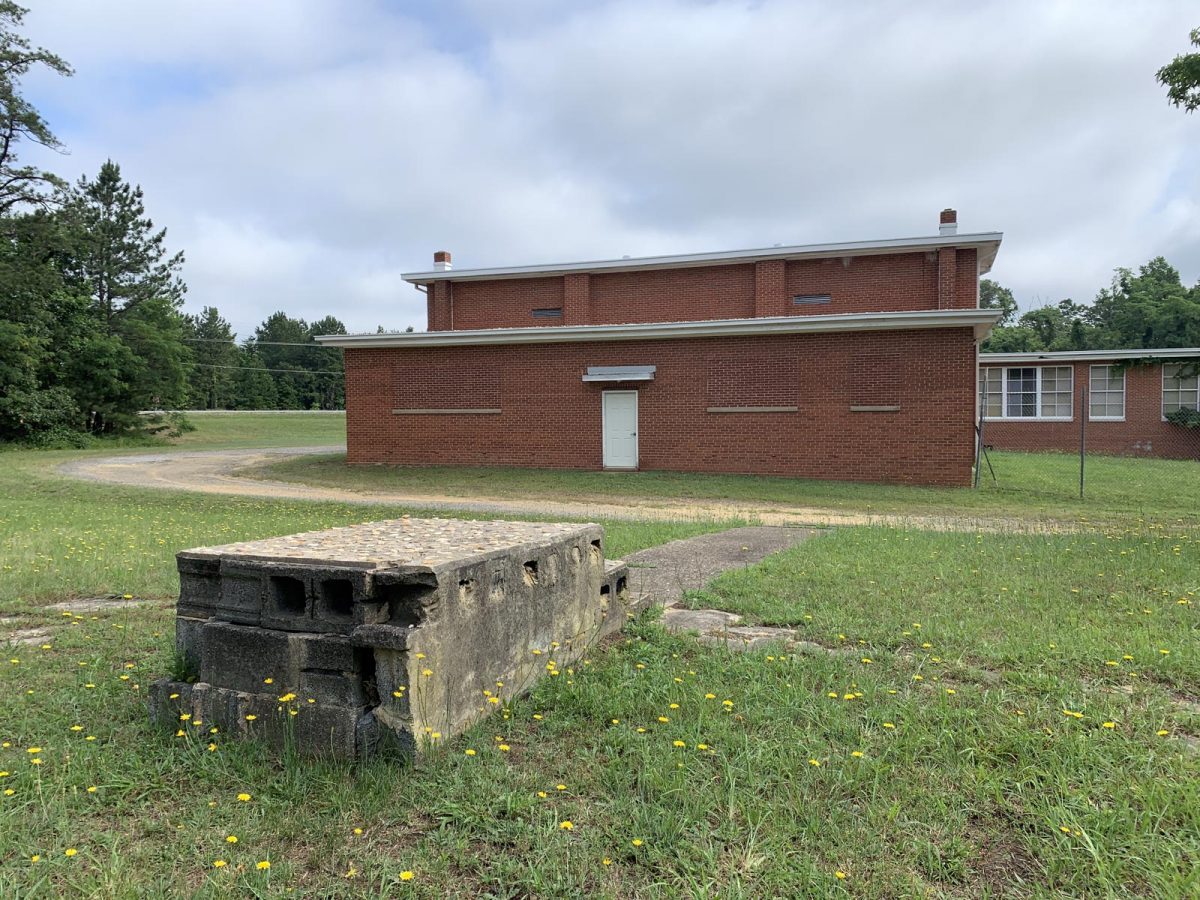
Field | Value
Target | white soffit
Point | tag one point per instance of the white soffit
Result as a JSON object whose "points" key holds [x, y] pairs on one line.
{"points": [[1086, 355], [981, 320]]}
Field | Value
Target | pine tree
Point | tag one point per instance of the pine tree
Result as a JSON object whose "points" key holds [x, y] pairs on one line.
{"points": [[118, 256], [20, 122]]}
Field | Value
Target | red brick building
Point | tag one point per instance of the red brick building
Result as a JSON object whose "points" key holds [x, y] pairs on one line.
{"points": [[1035, 401], [848, 361]]}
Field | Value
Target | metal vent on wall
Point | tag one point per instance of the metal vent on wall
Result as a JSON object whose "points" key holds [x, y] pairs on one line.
{"points": [[620, 373], [811, 299]]}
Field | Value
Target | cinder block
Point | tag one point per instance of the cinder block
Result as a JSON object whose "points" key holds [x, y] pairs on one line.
{"points": [[167, 700], [241, 658], [329, 652], [189, 636], [327, 730], [241, 597]]}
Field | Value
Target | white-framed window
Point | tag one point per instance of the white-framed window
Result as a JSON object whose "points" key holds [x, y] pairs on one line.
{"points": [[1026, 392], [1179, 391], [1106, 394]]}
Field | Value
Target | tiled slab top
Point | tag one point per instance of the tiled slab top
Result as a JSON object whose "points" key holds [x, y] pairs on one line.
{"points": [[403, 541]]}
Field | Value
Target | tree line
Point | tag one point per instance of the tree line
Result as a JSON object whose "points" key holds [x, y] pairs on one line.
{"points": [[92, 329], [1143, 309]]}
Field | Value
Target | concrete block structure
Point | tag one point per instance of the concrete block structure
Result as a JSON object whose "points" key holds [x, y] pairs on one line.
{"points": [[852, 361], [389, 634]]}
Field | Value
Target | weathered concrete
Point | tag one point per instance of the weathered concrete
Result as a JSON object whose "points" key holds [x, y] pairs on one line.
{"points": [[660, 575], [399, 633]]}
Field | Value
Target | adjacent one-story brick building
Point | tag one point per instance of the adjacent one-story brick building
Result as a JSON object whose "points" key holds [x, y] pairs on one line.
{"points": [[1031, 401], [845, 361]]}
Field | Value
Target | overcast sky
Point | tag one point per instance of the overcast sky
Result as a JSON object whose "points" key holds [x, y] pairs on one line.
{"points": [[304, 154]]}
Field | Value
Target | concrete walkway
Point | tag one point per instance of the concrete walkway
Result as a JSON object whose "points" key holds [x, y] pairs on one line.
{"points": [[216, 472]]}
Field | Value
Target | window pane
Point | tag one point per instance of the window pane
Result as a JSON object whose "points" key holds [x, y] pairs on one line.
{"points": [[1056, 391], [1179, 392], [1107, 392], [991, 392], [1022, 393]]}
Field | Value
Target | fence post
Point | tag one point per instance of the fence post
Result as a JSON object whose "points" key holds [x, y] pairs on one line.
{"points": [[1083, 414]]}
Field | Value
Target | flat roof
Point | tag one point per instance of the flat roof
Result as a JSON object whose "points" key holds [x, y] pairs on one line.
{"points": [[1085, 355], [987, 243], [981, 320]]}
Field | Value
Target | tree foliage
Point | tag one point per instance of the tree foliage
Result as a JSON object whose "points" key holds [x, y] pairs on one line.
{"points": [[22, 185], [1147, 309], [1181, 77]]}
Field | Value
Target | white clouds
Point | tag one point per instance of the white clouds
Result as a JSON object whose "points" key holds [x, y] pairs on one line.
{"points": [[304, 154]]}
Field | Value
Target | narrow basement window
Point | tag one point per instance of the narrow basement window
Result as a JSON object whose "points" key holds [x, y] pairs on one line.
{"points": [[549, 312], [811, 299]]}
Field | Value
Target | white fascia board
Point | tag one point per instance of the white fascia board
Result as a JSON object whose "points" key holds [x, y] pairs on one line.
{"points": [[981, 320], [987, 243], [1087, 355]]}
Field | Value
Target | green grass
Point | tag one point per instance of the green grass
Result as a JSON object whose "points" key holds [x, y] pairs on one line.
{"points": [[266, 429], [1028, 485], [966, 795]]}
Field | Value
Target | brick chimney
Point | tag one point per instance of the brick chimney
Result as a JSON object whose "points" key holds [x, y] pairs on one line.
{"points": [[948, 222], [441, 260]]}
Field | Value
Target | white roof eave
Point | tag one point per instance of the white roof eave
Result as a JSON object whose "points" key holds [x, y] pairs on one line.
{"points": [[987, 243], [981, 320], [1085, 355]]}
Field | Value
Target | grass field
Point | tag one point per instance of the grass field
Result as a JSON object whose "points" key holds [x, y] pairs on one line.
{"points": [[1041, 485], [998, 717]]}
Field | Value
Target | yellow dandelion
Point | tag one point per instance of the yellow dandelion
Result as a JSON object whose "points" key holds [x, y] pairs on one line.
{"points": [[70, 851], [251, 717], [840, 875], [679, 743], [469, 752], [406, 875], [231, 839], [566, 825], [637, 842], [244, 798], [92, 789], [504, 748], [1109, 725], [219, 864], [262, 865], [268, 681]]}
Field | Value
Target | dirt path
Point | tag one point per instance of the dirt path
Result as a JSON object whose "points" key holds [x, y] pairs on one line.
{"points": [[216, 472]]}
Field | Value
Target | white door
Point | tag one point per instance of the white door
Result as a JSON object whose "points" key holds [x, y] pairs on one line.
{"points": [[620, 430]]}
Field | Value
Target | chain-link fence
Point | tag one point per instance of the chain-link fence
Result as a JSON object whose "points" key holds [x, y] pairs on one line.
{"points": [[1093, 456]]}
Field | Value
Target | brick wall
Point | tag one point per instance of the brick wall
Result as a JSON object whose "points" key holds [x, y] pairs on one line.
{"points": [[1143, 433], [550, 418], [885, 283]]}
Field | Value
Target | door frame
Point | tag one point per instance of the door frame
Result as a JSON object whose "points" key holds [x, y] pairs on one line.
{"points": [[637, 451]]}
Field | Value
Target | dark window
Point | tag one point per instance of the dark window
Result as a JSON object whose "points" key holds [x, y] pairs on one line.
{"points": [[551, 312], [811, 299]]}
